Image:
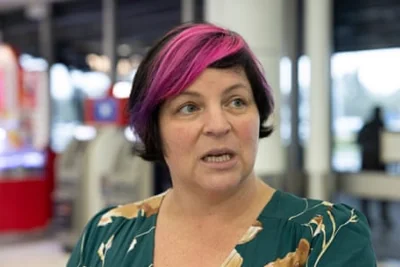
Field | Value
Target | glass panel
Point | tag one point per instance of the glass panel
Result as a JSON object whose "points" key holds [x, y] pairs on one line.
{"points": [[361, 81]]}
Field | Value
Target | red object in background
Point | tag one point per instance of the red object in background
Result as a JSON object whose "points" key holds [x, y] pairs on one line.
{"points": [[121, 116], [25, 202], [50, 176]]}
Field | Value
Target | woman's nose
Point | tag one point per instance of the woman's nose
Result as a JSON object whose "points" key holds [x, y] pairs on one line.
{"points": [[216, 123]]}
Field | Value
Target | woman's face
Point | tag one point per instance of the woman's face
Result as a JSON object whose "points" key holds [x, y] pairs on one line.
{"points": [[210, 132]]}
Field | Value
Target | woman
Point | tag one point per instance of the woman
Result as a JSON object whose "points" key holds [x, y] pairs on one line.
{"points": [[199, 103]]}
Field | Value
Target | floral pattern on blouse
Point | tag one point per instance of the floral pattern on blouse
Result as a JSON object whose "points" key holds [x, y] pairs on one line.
{"points": [[309, 234]]}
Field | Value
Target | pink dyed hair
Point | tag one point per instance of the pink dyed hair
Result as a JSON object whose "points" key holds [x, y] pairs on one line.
{"points": [[181, 61], [176, 61]]}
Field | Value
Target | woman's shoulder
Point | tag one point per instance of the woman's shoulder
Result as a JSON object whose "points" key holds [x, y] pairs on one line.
{"points": [[320, 215], [135, 215], [112, 226], [143, 209], [334, 234]]}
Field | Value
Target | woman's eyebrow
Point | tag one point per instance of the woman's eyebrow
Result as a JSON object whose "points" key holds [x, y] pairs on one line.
{"points": [[226, 91]]}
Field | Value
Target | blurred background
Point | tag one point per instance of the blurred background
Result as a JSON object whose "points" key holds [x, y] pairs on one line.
{"points": [[65, 146]]}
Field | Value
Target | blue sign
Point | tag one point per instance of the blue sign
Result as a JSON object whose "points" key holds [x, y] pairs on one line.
{"points": [[105, 110]]}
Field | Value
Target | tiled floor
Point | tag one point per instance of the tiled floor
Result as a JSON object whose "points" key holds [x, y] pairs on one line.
{"points": [[42, 253]]}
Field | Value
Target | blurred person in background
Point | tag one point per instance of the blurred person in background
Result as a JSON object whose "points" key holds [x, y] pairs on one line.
{"points": [[200, 103], [369, 141]]}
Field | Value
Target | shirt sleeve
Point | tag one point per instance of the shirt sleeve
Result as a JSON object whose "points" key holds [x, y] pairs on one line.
{"points": [[345, 240], [77, 258]]}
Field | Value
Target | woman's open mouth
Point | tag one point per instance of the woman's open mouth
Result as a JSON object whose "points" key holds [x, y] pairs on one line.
{"points": [[220, 160]]}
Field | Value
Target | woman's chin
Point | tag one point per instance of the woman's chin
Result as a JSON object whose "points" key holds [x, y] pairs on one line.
{"points": [[221, 184]]}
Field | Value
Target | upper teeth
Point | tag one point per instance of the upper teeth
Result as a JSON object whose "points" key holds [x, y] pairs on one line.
{"points": [[221, 158]]}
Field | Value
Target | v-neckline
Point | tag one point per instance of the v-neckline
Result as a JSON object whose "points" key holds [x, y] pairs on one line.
{"points": [[269, 208]]}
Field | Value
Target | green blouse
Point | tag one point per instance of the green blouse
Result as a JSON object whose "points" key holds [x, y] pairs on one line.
{"points": [[289, 229]]}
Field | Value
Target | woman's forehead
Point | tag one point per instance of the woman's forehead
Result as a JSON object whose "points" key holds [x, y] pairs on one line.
{"points": [[218, 79], [215, 81]]}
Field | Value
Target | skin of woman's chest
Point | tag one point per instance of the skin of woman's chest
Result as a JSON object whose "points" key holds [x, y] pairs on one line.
{"points": [[196, 247]]}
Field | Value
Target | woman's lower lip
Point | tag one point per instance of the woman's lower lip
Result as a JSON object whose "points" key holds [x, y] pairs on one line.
{"points": [[222, 165]]}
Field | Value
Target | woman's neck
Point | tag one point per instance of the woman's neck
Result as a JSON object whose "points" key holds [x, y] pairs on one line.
{"points": [[218, 207]]}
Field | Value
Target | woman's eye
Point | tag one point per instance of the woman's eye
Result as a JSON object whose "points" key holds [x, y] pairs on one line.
{"points": [[238, 103], [188, 109]]}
